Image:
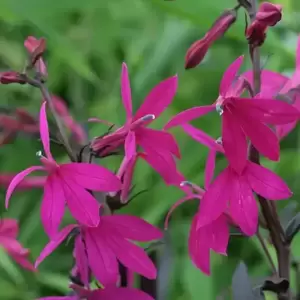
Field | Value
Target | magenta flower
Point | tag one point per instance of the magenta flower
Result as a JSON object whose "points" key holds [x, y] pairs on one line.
{"points": [[67, 184], [203, 239], [109, 293], [241, 118], [134, 131], [9, 230], [232, 192], [107, 244]]}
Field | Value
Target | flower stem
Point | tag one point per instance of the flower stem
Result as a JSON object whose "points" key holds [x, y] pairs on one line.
{"points": [[268, 211]]}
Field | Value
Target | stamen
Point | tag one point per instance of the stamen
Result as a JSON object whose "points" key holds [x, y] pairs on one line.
{"points": [[219, 109], [148, 117], [219, 141], [39, 154]]}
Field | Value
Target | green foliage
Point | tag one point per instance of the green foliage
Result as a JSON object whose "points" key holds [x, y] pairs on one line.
{"points": [[87, 42]]}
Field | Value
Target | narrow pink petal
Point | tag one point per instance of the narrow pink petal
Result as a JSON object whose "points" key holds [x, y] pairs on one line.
{"points": [[189, 115], [234, 142], [230, 75], [164, 164], [219, 235], [199, 250], [269, 111], [23, 261], [82, 260], [283, 130], [133, 228], [114, 293], [202, 137], [130, 255], [11, 245], [126, 91], [261, 136], [159, 98], [178, 203], [271, 81], [102, 260], [54, 243], [210, 168], [91, 176], [82, 205], [130, 145], [243, 207], [17, 179], [53, 205], [44, 131], [214, 201], [266, 183], [9, 228], [127, 179], [158, 140]]}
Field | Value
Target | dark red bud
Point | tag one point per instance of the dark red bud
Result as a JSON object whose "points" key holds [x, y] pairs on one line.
{"points": [[11, 77], [268, 13], [256, 33], [198, 50]]}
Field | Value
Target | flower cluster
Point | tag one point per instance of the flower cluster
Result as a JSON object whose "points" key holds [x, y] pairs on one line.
{"points": [[103, 240]]}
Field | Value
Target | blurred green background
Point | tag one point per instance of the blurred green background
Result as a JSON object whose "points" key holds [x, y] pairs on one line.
{"points": [[87, 42]]}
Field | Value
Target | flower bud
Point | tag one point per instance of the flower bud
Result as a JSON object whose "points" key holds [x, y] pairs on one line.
{"points": [[198, 50], [269, 14], [11, 77]]}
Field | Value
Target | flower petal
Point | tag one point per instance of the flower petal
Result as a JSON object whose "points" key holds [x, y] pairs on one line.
{"points": [[199, 250], [53, 205], [82, 260], [266, 183], [230, 75], [234, 142], [159, 98], [82, 205], [102, 260], [9, 228], [243, 207], [44, 131], [54, 243], [91, 176], [210, 168], [126, 91], [269, 111], [23, 261], [157, 140], [130, 255], [133, 228], [215, 200], [219, 235], [261, 136], [17, 179], [189, 115], [114, 293], [130, 145], [202, 137]]}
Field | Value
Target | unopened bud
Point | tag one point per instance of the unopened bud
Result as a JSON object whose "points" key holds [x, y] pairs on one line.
{"points": [[198, 50], [11, 77], [268, 13]]}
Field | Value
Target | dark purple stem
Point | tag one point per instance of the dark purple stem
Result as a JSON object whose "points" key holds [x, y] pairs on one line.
{"points": [[268, 210]]}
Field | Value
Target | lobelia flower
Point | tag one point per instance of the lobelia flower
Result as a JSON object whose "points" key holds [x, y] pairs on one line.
{"points": [[134, 131], [67, 184], [107, 244], [235, 189], [268, 15], [203, 239], [9, 230], [198, 50], [36, 48], [241, 118]]}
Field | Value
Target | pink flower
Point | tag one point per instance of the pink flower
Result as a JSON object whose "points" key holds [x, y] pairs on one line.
{"points": [[108, 293], [134, 132], [241, 118], [232, 193], [9, 230], [36, 48], [67, 184], [107, 244], [202, 239]]}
